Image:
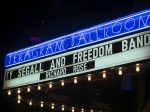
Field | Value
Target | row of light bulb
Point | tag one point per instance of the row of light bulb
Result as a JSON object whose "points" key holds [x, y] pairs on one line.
{"points": [[137, 68], [53, 106], [50, 85], [63, 83], [89, 77]]}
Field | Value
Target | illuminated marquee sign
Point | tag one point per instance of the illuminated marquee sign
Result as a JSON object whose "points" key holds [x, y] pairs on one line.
{"points": [[112, 29], [103, 55]]}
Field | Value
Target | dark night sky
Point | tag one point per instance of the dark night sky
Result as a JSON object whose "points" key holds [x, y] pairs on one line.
{"points": [[48, 19]]}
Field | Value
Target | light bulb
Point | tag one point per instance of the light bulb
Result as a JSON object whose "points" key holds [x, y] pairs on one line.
{"points": [[19, 91], [82, 110], [62, 107], [30, 103], [62, 83], [50, 85], [52, 106], [72, 109], [137, 67], [39, 87], [19, 97], [89, 77], [28, 89], [18, 101], [75, 80], [104, 74], [9, 92], [120, 71], [42, 104]]}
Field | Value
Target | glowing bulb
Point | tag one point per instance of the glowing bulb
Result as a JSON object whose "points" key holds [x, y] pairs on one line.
{"points": [[50, 85], [62, 107], [42, 104], [82, 110], [89, 77], [30, 103], [75, 80], [18, 101], [28, 89], [52, 106], [91, 111], [62, 83], [19, 97], [9, 92], [137, 67], [104, 74], [19, 91], [39, 87], [120, 71], [72, 109]]}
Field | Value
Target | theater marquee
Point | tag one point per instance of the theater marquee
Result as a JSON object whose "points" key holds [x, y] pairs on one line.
{"points": [[124, 50]]}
